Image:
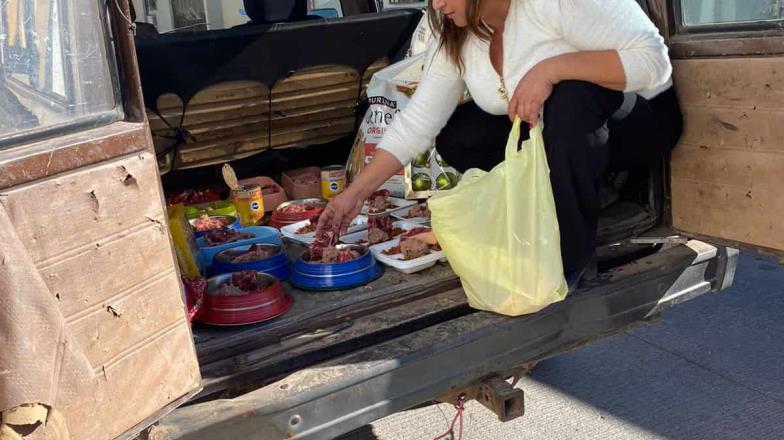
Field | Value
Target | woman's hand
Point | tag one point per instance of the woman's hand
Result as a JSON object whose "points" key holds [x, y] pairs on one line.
{"points": [[341, 210], [531, 93]]}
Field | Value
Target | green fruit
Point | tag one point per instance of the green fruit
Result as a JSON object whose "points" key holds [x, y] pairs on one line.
{"points": [[443, 181], [454, 178], [440, 160], [421, 182], [422, 160]]}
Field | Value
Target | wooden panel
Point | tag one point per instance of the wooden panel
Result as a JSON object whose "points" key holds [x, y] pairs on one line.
{"points": [[107, 331], [726, 171], [78, 210]]}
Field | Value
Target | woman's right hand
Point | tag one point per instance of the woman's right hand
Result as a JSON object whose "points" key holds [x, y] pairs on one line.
{"points": [[341, 210]]}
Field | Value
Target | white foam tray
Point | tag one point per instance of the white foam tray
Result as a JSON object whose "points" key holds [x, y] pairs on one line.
{"points": [[401, 215], [290, 231], [399, 204], [405, 266], [361, 237]]}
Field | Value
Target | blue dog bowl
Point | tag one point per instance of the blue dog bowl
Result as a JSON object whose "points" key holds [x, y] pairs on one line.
{"points": [[261, 234], [336, 276], [277, 264]]}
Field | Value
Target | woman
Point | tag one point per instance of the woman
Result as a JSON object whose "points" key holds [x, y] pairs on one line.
{"points": [[596, 70]]}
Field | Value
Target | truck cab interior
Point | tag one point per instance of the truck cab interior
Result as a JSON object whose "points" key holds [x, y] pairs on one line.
{"points": [[121, 120]]}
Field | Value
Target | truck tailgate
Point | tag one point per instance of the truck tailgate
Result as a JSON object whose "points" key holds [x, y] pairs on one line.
{"points": [[338, 395]]}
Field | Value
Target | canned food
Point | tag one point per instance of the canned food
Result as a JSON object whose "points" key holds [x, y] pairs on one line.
{"points": [[249, 202], [333, 181]]}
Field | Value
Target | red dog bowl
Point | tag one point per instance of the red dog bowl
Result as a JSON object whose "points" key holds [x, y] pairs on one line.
{"points": [[250, 308]]}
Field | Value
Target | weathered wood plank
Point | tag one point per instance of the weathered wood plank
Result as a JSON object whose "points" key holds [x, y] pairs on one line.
{"points": [[734, 82]]}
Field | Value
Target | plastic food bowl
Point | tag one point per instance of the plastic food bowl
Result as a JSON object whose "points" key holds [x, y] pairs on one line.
{"points": [[271, 201], [277, 264], [227, 220], [281, 218], [244, 309], [261, 234], [336, 276], [221, 207]]}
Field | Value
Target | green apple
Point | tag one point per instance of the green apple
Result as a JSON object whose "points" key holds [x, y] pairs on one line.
{"points": [[443, 181], [440, 160], [422, 160], [421, 182]]}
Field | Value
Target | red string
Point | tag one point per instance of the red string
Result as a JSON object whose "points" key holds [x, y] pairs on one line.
{"points": [[460, 407]]}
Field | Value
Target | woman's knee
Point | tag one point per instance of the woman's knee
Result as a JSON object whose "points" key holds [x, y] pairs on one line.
{"points": [[580, 102]]}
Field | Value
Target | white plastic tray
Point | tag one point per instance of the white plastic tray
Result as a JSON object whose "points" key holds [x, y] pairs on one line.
{"points": [[399, 204], [405, 266], [401, 215], [361, 237], [290, 231]]}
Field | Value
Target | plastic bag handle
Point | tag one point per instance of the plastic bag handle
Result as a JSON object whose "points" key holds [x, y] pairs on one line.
{"points": [[514, 136]]}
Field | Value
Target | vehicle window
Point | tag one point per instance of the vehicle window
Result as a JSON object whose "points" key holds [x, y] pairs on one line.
{"points": [[55, 70], [393, 4], [708, 12]]}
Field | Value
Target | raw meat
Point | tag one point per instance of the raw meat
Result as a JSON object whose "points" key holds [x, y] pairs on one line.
{"points": [[378, 201], [192, 197], [242, 283], [381, 229], [224, 235], [417, 211], [310, 227], [376, 235], [413, 248], [254, 253], [205, 223], [297, 208]]}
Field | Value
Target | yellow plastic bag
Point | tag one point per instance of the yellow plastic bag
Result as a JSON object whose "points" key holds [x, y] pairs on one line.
{"points": [[500, 231]]}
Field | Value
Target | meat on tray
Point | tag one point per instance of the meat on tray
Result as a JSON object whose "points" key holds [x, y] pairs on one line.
{"points": [[418, 211], [224, 235], [379, 202], [242, 283], [323, 249], [311, 226], [412, 247], [381, 229], [205, 222], [296, 208], [253, 253]]}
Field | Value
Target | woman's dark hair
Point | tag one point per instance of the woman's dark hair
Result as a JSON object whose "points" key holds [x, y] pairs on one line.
{"points": [[451, 37]]}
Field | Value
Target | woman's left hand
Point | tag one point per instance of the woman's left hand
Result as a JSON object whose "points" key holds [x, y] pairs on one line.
{"points": [[531, 93]]}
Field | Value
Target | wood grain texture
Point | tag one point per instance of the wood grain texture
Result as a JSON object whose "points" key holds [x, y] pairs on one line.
{"points": [[726, 171]]}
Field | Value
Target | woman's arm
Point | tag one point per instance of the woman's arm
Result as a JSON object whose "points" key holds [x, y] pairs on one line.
{"points": [[411, 133]]}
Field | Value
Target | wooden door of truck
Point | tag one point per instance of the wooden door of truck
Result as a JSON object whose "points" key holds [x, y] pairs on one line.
{"points": [[92, 320], [726, 173]]}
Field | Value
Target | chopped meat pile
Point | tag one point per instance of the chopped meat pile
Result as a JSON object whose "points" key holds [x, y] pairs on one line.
{"points": [[378, 201], [192, 197], [254, 253], [306, 179], [269, 189], [411, 247], [205, 223], [419, 210], [224, 235], [323, 249], [381, 229], [335, 255], [242, 283], [296, 208]]}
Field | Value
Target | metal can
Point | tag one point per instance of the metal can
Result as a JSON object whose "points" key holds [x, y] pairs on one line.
{"points": [[249, 202], [333, 181]]}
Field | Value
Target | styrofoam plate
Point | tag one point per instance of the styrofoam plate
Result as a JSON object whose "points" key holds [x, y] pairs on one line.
{"points": [[405, 266], [401, 215], [399, 204], [290, 231], [361, 237]]}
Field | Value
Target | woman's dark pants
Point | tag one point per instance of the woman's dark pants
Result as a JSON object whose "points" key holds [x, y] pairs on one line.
{"points": [[587, 130]]}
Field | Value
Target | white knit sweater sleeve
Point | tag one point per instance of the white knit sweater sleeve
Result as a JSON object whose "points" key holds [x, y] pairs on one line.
{"points": [[419, 122], [614, 24]]}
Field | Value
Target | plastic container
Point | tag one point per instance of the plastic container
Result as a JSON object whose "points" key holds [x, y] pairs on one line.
{"points": [[405, 266], [277, 264], [281, 218], [261, 234], [271, 201], [244, 309], [221, 207], [336, 276], [227, 220], [398, 205], [298, 190], [290, 231]]}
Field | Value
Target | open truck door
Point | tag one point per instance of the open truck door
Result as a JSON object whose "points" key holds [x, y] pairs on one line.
{"points": [[728, 60], [95, 339]]}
